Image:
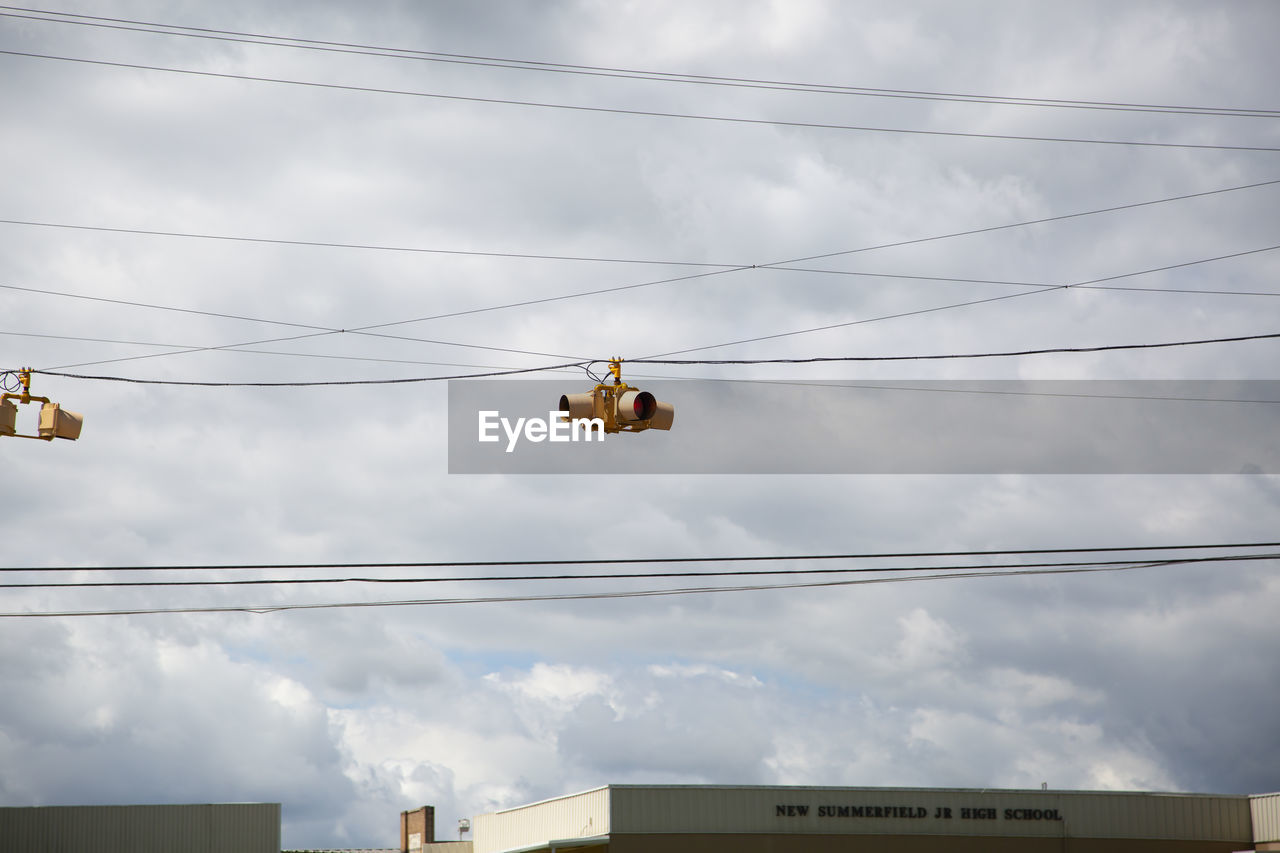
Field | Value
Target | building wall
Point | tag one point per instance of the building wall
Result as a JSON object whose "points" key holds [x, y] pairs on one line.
{"points": [[769, 843], [417, 829], [934, 812], [221, 828], [776, 819], [447, 847], [576, 816], [1266, 820]]}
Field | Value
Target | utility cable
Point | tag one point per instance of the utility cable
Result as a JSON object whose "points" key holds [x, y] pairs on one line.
{"points": [[416, 362], [515, 371], [892, 245], [949, 306], [181, 349], [1200, 291], [605, 71], [643, 113], [587, 596], [619, 576], [135, 304], [728, 268], [375, 247], [735, 266], [242, 347], [659, 360], [1006, 354], [625, 561]]}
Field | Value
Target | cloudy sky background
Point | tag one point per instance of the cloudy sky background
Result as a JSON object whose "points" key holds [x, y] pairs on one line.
{"points": [[1160, 678]]}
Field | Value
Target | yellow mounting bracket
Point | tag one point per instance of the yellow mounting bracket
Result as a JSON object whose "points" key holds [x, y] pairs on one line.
{"points": [[24, 376], [609, 395]]}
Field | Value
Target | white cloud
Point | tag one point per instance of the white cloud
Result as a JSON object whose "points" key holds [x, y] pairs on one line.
{"points": [[926, 642]]}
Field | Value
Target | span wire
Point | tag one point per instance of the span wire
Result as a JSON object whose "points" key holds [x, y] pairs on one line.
{"points": [[617, 561], [584, 596], [611, 576]]}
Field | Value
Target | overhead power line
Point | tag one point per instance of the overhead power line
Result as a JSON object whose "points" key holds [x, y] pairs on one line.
{"points": [[1007, 354], [937, 308], [320, 383], [730, 267], [629, 561], [179, 349], [187, 347], [657, 360], [114, 584], [135, 304], [370, 329], [644, 113], [1199, 291], [329, 244], [597, 596], [240, 346], [812, 359], [612, 72]]}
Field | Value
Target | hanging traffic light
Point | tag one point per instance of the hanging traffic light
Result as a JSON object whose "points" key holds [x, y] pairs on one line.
{"points": [[55, 421], [619, 407]]}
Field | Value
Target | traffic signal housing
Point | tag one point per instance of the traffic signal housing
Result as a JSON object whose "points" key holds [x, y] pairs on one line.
{"points": [[640, 407], [8, 418], [57, 422]]}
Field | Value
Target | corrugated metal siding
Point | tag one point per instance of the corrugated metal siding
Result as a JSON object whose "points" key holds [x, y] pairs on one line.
{"points": [[640, 809], [220, 828], [578, 816], [1266, 817]]}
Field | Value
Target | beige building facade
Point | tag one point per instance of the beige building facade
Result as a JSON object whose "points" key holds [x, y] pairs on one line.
{"points": [[740, 819]]}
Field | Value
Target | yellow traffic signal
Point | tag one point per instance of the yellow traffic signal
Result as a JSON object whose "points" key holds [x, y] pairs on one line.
{"points": [[55, 421], [620, 407]]}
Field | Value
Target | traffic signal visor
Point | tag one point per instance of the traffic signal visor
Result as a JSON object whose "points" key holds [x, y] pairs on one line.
{"points": [[578, 407], [664, 415]]}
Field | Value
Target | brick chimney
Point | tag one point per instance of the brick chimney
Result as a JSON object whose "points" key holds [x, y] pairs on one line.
{"points": [[417, 828]]}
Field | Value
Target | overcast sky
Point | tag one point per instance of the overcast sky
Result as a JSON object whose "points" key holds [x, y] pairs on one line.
{"points": [[390, 189]]}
